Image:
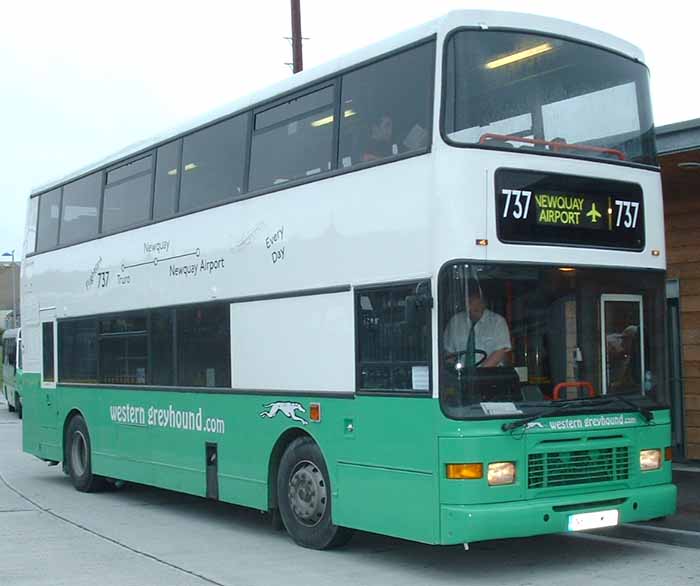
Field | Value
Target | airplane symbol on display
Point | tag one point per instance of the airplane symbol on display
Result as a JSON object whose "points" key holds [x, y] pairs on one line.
{"points": [[594, 214]]}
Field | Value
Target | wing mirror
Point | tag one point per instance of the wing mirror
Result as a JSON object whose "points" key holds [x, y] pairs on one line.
{"points": [[419, 304]]}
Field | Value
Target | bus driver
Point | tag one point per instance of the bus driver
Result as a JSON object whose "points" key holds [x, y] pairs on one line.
{"points": [[491, 337]]}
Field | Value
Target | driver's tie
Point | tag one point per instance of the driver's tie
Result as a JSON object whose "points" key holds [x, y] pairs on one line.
{"points": [[471, 358]]}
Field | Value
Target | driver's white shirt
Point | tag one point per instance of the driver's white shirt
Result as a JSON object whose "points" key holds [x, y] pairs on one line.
{"points": [[490, 333]]}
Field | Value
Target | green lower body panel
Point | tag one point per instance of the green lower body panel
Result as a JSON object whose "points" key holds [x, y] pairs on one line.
{"points": [[469, 523]]}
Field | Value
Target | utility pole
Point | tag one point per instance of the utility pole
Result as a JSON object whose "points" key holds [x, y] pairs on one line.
{"points": [[297, 59]]}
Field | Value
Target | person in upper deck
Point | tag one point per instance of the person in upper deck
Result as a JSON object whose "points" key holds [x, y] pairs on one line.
{"points": [[380, 143]]}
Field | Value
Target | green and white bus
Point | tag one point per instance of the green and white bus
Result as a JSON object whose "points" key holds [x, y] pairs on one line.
{"points": [[12, 369], [417, 291]]}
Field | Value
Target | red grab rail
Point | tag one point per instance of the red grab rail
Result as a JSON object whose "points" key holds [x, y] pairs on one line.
{"points": [[576, 384], [552, 144]]}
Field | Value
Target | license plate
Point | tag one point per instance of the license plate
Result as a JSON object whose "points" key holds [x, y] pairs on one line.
{"points": [[583, 521]]}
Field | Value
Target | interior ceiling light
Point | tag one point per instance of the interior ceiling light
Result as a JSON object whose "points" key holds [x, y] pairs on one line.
{"points": [[519, 56], [329, 119], [689, 165]]}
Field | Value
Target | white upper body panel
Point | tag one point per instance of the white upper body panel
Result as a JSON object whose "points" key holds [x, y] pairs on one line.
{"points": [[440, 27]]}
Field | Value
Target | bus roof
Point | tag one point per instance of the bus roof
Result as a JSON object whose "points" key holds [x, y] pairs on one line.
{"points": [[459, 18]]}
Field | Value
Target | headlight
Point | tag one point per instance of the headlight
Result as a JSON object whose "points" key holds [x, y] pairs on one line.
{"points": [[501, 473], [650, 459]]}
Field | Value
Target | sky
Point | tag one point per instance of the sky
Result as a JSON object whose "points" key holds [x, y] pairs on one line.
{"points": [[80, 80]]}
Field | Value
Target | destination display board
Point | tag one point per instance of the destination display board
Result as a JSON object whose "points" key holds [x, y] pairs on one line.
{"points": [[568, 210]]}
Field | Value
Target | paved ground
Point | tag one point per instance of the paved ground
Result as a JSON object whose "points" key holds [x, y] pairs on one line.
{"points": [[51, 535]]}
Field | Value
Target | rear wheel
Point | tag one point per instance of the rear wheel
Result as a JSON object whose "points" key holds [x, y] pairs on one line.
{"points": [[304, 495], [78, 456]]}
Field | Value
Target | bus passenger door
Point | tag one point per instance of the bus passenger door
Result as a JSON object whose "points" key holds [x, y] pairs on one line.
{"points": [[47, 415]]}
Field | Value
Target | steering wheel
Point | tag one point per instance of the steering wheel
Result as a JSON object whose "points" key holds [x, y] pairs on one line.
{"points": [[477, 362]]}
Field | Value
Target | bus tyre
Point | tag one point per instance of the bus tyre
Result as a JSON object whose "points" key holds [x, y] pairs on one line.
{"points": [[304, 495], [18, 401], [10, 408], [79, 457]]}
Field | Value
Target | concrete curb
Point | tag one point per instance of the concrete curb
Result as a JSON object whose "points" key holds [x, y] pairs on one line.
{"points": [[678, 537]]}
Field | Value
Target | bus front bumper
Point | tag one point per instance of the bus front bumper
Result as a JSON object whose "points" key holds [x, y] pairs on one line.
{"points": [[469, 523]]}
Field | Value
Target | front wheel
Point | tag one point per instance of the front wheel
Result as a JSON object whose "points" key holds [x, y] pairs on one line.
{"points": [[78, 455], [304, 497]]}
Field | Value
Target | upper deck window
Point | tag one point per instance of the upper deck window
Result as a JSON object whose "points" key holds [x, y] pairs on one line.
{"points": [[293, 140], [127, 199], [213, 161], [541, 94], [386, 107], [80, 206], [167, 180], [47, 231]]}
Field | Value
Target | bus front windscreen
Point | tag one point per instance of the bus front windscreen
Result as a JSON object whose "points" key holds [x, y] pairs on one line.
{"points": [[532, 93], [515, 339]]}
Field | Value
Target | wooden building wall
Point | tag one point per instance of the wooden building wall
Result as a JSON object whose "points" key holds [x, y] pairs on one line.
{"points": [[682, 216]]}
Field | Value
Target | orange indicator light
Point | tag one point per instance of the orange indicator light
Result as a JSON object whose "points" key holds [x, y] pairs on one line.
{"points": [[668, 453], [315, 412], [465, 471], [482, 242]]}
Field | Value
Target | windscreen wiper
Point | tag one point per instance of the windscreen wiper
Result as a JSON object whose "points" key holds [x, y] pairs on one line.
{"points": [[544, 413], [646, 413]]}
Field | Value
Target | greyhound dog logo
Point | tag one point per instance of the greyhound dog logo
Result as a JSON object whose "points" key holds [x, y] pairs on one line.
{"points": [[534, 424], [287, 409]]}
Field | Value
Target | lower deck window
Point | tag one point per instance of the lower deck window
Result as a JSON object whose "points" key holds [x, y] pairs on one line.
{"points": [[47, 351], [203, 346], [393, 341], [187, 346]]}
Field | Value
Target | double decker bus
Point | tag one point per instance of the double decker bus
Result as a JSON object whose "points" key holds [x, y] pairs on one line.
{"points": [[417, 291]]}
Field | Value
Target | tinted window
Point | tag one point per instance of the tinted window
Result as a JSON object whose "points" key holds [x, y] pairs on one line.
{"points": [[77, 351], [32, 225], [300, 147], [386, 107], [47, 351], [294, 108], [136, 167], [11, 352], [527, 336], [542, 94], [123, 349], [167, 180], [127, 203], [162, 359], [79, 213], [123, 324], [123, 359], [47, 231], [393, 352], [213, 160], [203, 346]]}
